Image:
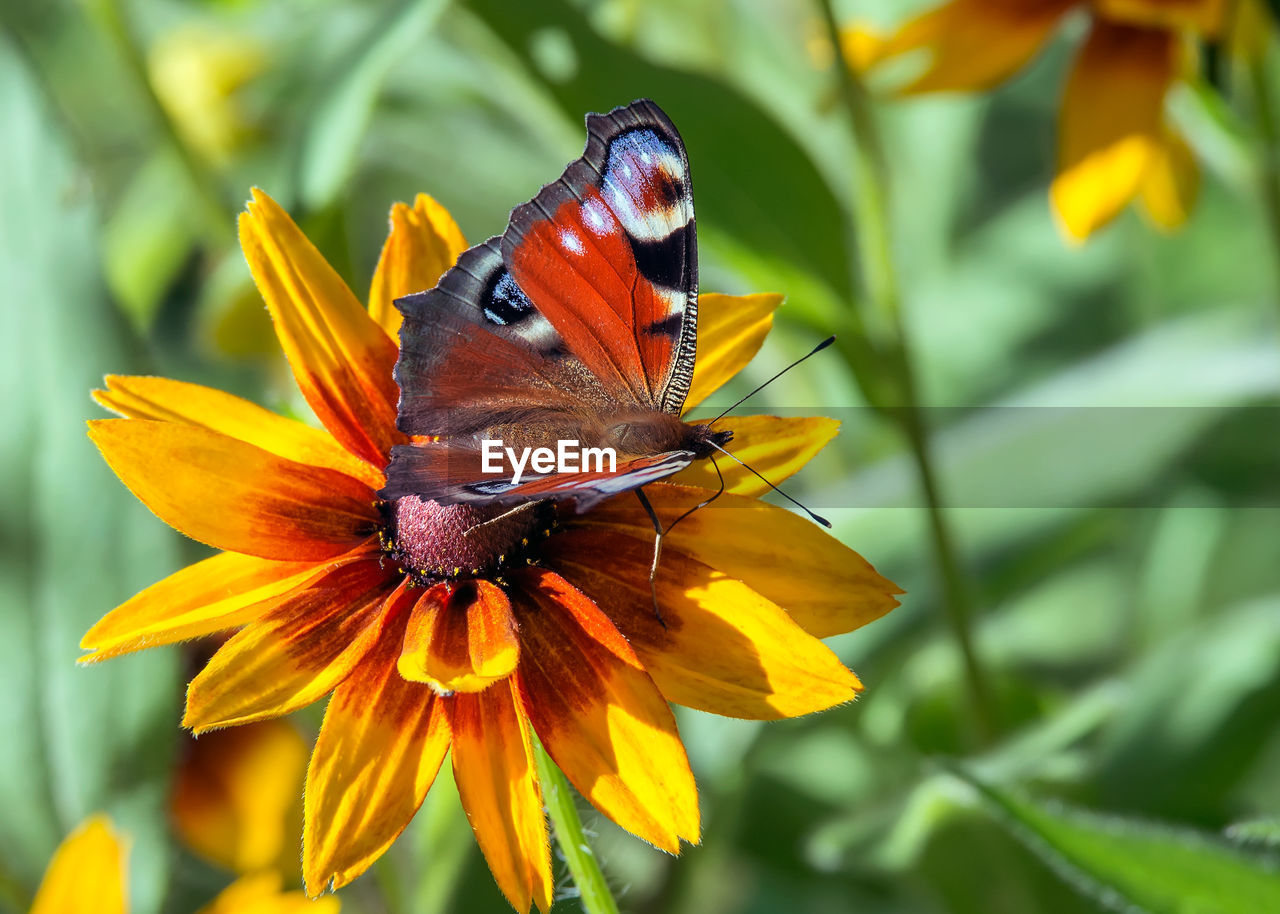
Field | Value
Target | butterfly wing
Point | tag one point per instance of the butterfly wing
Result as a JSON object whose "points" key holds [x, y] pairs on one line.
{"points": [[587, 303]]}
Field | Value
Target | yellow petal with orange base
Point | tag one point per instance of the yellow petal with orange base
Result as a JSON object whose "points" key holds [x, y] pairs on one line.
{"points": [[971, 44], [1171, 185], [461, 637], [232, 495], [86, 874], [424, 242], [293, 656], [774, 447], [719, 647], [1112, 124], [262, 894], [379, 749], [341, 358], [1203, 16], [600, 717], [823, 585], [731, 329], [236, 796], [497, 779], [137, 397], [225, 591]]}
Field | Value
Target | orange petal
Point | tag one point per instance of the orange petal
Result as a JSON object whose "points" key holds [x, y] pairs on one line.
{"points": [[232, 495], [225, 591], [340, 357], [824, 586], [379, 750], [1171, 185], [1203, 16], [1112, 124], [177, 401], [731, 330], [261, 894], [600, 717], [460, 638], [972, 44], [295, 654], [723, 648], [774, 447], [86, 874], [498, 781], [424, 242], [236, 796]]}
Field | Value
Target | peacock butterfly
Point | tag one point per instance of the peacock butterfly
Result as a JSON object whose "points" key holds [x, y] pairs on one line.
{"points": [[576, 324]]}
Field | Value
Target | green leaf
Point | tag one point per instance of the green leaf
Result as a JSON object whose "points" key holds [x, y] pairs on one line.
{"points": [[338, 127], [1126, 863], [76, 740]]}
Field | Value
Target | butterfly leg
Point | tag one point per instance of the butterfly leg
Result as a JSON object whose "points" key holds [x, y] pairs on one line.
{"points": [[523, 506], [657, 552]]}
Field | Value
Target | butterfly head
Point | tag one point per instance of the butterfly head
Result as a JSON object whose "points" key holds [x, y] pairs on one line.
{"points": [[704, 440]]}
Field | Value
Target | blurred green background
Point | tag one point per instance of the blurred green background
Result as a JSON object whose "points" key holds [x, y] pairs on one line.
{"points": [[1125, 598]]}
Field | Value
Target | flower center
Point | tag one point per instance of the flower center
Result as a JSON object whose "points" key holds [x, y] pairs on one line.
{"points": [[434, 542]]}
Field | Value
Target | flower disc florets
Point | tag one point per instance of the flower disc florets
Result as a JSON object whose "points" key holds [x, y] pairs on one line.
{"points": [[434, 542]]}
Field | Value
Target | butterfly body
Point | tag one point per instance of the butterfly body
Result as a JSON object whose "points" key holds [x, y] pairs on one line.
{"points": [[578, 323]]}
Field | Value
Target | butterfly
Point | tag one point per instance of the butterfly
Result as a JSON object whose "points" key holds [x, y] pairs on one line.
{"points": [[576, 324]]}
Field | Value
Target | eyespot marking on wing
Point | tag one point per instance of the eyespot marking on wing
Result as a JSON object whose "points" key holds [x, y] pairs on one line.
{"points": [[646, 186], [504, 302]]}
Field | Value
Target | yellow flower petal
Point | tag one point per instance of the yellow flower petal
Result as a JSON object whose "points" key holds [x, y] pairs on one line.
{"points": [[193, 404], [1171, 185], [424, 242], [460, 638], [379, 750], [294, 655], [262, 894], [340, 357], [232, 495], [1203, 16], [494, 768], [731, 329], [971, 44], [86, 874], [824, 586], [1112, 127], [225, 591], [600, 716], [774, 447], [723, 648], [236, 796]]}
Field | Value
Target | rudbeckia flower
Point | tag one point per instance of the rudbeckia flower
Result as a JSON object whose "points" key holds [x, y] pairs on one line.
{"points": [[1115, 144], [545, 633], [87, 876]]}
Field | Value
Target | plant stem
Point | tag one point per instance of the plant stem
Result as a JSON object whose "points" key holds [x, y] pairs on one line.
{"points": [[875, 250], [593, 889], [217, 221], [1264, 105]]}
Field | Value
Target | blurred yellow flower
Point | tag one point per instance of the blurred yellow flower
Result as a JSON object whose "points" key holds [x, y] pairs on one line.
{"points": [[196, 71], [1115, 143], [552, 636], [87, 876], [237, 797]]}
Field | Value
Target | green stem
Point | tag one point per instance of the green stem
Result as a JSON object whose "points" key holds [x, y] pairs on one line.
{"points": [[217, 219], [875, 249], [1264, 105], [593, 889]]}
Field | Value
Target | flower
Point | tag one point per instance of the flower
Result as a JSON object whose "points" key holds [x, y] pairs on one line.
{"points": [[546, 630], [1115, 144], [87, 876]]}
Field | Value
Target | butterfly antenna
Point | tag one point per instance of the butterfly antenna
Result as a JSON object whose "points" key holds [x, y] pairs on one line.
{"points": [[817, 517], [659, 533], [814, 351]]}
